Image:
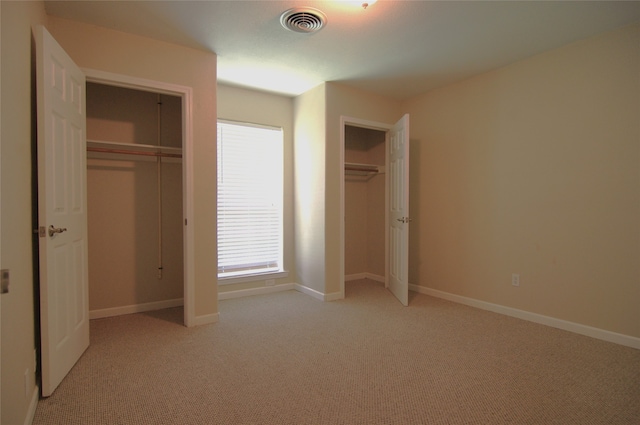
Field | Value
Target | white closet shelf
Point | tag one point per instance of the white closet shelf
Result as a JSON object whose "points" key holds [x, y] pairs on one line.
{"points": [[352, 168], [102, 146], [99, 143]]}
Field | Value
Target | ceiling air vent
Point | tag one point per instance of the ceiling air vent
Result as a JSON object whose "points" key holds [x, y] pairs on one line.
{"points": [[303, 19]]}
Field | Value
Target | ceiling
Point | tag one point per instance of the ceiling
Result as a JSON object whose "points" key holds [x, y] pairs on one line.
{"points": [[394, 48]]}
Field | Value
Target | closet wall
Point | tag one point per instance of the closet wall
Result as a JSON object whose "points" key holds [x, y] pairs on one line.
{"points": [[364, 203], [123, 199]]}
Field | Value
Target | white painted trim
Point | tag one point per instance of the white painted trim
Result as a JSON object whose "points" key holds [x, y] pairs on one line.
{"points": [[33, 404], [311, 292], [186, 93], [188, 208], [257, 277], [206, 319], [617, 338], [135, 308], [341, 229], [334, 296], [371, 125], [319, 295], [375, 277], [127, 81], [279, 288], [255, 291]]}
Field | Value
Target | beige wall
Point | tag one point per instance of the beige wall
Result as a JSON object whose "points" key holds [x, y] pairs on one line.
{"points": [[257, 107], [126, 115], [18, 339], [342, 100], [309, 187], [112, 51], [122, 200], [534, 169]]}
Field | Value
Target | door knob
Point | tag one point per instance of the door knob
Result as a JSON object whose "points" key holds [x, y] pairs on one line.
{"points": [[404, 219], [54, 230]]}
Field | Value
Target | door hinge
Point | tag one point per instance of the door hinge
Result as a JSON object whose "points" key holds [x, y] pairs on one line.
{"points": [[405, 220], [4, 281]]}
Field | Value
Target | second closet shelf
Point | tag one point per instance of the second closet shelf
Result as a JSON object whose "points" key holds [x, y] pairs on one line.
{"points": [[102, 146]]}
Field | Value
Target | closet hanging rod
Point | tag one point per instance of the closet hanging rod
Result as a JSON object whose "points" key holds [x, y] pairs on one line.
{"points": [[128, 152], [362, 168], [365, 170]]}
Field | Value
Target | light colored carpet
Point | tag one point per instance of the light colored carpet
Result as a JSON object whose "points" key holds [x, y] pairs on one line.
{"points": [[286, 358]]}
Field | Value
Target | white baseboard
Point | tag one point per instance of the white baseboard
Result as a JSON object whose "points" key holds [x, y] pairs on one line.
{"points": [[255, 291], [597, 333], [205, 319], [317, 294], [136, 308], [358, 276], [311, 292], [333, 296], [33, 404], [278, 288]]}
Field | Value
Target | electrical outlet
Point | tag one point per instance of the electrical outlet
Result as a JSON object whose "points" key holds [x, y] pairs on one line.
{"points": [[270, 282], [515, 279]]}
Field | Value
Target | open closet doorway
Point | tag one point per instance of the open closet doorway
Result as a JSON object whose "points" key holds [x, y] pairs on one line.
{"points": [[374, 203], [138, 193]]}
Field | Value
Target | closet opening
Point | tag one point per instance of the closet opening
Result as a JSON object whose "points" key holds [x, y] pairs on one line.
{"points": [[137, 197], [364, 201]]}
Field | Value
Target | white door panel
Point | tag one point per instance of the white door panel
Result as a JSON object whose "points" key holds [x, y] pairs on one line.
{"points": [[399, 210], [64, 306]]}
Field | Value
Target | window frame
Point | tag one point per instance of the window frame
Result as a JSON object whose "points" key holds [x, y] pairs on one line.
{"points": [[250, 275]]}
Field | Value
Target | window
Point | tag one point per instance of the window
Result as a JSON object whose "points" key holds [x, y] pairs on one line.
{"points": [[250, 186]]}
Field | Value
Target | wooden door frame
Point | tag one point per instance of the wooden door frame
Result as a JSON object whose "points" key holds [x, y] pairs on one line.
{"points": [[372, 125], [186, 94]]}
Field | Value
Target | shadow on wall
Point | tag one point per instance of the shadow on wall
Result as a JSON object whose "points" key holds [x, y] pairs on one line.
{"points": [[415, 212]]}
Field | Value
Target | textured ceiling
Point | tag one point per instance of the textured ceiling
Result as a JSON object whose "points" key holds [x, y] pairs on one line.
{"points": [[394, 48]]}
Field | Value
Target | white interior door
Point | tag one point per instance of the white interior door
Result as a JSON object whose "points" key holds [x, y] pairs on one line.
{"points": [[62, 212], [398, 214]]}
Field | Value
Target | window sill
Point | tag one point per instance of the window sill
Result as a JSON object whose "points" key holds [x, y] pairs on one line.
{"points": [[252, 277]]}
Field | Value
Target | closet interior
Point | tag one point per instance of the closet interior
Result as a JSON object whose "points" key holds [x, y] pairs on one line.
{"points": [[365, 203], [134, 198]]}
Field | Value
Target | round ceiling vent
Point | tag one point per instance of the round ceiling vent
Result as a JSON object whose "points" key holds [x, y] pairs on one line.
{"points": [[303, 19]]}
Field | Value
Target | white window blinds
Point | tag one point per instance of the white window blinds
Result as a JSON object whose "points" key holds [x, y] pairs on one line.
{"points": [[250, 186]]}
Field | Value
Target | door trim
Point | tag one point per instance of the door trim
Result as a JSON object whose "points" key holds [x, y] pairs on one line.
{"points": [[372, 125], [186, 93]]}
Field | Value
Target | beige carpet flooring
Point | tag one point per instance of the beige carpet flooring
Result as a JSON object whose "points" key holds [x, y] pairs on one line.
{"points": [[287, 358]]}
